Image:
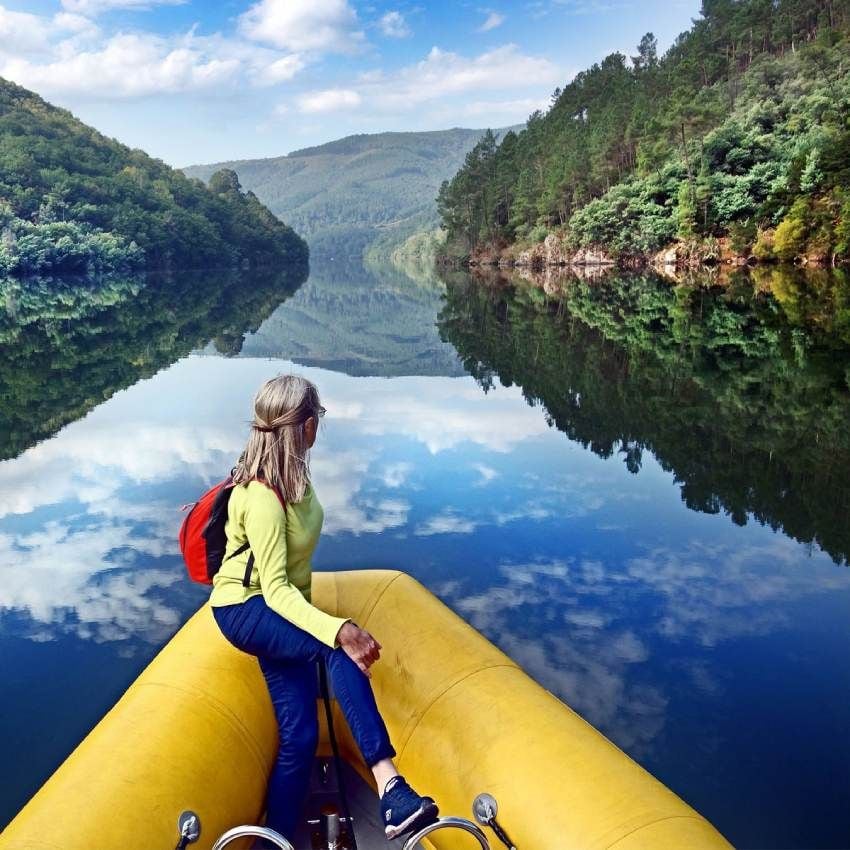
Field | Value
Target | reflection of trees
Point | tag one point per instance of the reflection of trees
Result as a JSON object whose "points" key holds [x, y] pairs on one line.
{"points": [[360, 320], [743, 396], [70, 344]]}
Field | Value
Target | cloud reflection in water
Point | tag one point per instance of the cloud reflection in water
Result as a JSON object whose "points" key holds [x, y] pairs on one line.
{"points": [[91, 573]]}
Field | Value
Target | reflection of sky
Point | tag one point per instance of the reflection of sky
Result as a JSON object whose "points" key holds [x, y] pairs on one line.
{"points": [[697, 645]]}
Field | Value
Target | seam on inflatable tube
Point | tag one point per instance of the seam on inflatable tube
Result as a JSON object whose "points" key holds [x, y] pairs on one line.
{"points": [[387, 586], [221, 709], [652, 823], [403, 744]]}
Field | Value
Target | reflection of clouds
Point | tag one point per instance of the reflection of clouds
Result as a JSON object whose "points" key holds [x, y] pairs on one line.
{"points": [[549, 504], [530, 510], [713, 592], [395, 474], [90, 462], [440, 413], [445, 522], [82, 582], [189, 424], [574, 625], [487, 473], [551, 629], [338, 479]]}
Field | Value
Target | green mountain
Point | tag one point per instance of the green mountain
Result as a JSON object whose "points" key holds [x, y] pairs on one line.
{"points": [[74, 201], [741, 130], [360, 191]]}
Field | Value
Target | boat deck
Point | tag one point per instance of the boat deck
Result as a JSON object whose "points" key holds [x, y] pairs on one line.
{"points": [[362, 801]]}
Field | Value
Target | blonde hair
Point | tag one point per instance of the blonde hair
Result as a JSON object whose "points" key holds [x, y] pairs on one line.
{"points": [[277, 449]]}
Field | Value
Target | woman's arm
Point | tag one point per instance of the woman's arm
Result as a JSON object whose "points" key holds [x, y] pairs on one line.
{"points": [[265, 526]]}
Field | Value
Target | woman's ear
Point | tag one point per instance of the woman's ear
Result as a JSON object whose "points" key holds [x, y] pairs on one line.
{"points": [[310, 428]]}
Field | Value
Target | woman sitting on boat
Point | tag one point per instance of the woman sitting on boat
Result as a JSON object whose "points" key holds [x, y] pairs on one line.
{"points": [[275, 511]]}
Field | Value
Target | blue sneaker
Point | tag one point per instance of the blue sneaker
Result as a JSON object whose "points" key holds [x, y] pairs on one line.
{"points": [[403, 810]]}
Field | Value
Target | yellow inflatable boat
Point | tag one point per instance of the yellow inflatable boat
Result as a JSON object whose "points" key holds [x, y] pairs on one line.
{"points": [[196, 732]]}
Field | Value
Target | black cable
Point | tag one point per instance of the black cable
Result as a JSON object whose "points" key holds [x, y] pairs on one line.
{"points": [[326, 697]]}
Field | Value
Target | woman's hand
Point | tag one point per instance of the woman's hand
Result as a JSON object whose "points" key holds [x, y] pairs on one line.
{"points": [[359, 646]]}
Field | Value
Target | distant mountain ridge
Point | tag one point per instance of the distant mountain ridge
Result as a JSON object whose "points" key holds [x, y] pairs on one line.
{"points": [[368, 189]]}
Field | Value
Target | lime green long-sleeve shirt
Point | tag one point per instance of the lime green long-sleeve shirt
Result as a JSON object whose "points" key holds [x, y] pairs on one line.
{"points": [[282, 542]]}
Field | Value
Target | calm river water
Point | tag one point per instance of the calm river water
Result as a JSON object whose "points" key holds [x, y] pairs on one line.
{"points": [[639, 490]]}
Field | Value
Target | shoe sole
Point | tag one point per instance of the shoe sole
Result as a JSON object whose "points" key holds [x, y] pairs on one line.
{"points": [[422, 816]]}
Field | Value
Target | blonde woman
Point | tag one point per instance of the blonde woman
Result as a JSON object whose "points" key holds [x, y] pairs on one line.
{"points": [[261, 602]]}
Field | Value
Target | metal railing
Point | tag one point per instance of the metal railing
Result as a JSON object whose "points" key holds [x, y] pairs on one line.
{"points": [[447, 823], [249, 831]]}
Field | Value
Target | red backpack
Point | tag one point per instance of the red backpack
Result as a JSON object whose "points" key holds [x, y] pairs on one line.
{"points": [[202, 538]]}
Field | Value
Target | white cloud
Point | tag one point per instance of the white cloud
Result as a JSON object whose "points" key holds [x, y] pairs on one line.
{"points": [[78, 24], [440, 413], [393, 25], [535, 511], [89, 460], [68, 55], [23, 32], [95, 7], [282, 70], [494, 19], [126, 65], [714, 593], [443, 74], [303, 25], [329, 100], [517, 106]]}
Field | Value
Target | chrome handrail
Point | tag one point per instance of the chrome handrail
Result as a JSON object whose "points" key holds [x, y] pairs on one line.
{"points": [[249, 831], [447, 823]]}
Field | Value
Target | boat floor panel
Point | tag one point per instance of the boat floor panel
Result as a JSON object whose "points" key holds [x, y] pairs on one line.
{"points": [[362, 801]]}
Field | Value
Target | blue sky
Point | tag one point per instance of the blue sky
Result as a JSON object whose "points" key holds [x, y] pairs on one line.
{"points": [[197, 81]]}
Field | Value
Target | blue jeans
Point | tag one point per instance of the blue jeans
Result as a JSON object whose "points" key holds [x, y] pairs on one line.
{"points": [[288, 657]]}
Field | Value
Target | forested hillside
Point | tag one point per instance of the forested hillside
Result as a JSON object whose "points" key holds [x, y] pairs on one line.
{"points": [[72, 200], [369, 190], [741, 131]]}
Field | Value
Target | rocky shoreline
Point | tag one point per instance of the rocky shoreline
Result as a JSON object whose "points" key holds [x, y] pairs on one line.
{"points": [[555, 252]]}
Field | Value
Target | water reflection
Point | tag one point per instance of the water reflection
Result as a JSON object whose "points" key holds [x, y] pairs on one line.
{"points": [[71, 343], [693, 641], [376, 320], [741, 391]]}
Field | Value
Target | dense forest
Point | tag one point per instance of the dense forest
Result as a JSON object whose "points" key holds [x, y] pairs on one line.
{"points": [[742, 392], [74, 201], [363, 193], [740, 133]]}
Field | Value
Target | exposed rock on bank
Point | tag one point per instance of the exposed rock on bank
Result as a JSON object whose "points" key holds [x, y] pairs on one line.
{"points": [[552, 252], [555, 252]]}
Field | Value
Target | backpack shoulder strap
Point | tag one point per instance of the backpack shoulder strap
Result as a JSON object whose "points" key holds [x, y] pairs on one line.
{"points": [[246, 579]]}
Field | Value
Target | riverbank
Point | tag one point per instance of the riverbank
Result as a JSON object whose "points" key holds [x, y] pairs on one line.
{"points": [[556, 252]]}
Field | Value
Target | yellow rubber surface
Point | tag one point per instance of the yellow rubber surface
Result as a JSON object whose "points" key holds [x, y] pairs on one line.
{"points": [[196, 731]]}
